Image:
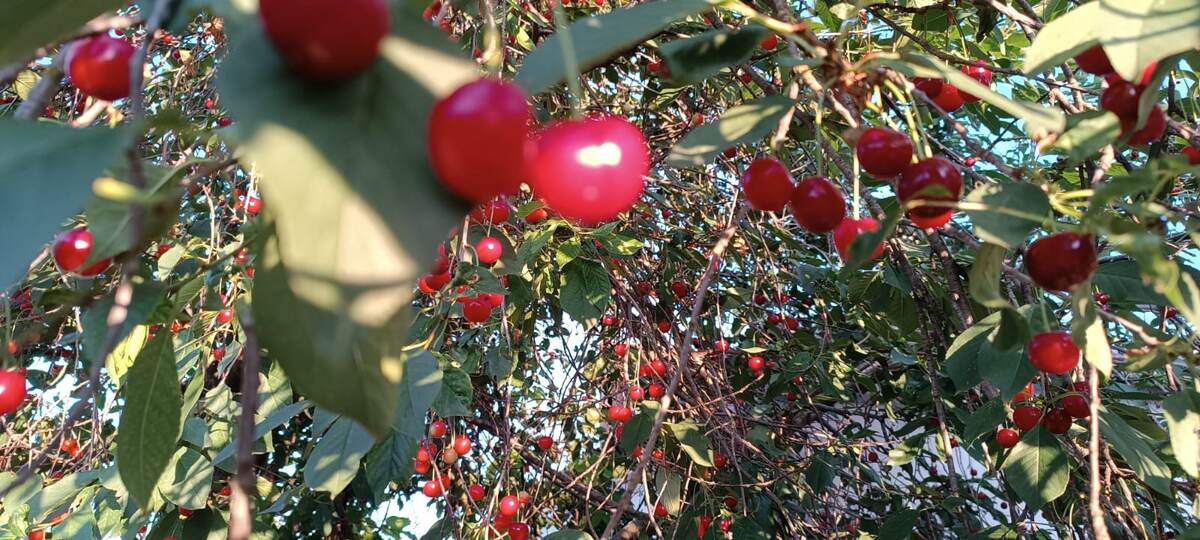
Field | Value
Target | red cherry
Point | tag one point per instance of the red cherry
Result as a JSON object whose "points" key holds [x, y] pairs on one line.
{"points": [[660, 510], [760, 299], [848, 230], [69, 447], [656, 390], [421, 467], [494, 300], [770, 42], [1025, 394], [756, 363], [619, 413], [185, 512], [1026, 417], [636, 393], [1156, 124], [817, 204], [518, 531], [253, 205], [680, 289], [494, 212], [438, 429], [1007, 438], [1053, 352], [39, 534], [509, 505], [883, 152], [730, 503], [478, 138], [929, 87], [872, 457], [218, 353], [545, 442], [590, 170], [99, 66], [477, 310], [664, 326], [489, 250], [538, 215], [72, 248], [949, 99], [1056, 421], [702, 527], [1094, 61], [620, 349], [721, 346], [608, 320], [933, 179], [462, 445], [1061, 261], [658, 367], [774, 318], [1193, 155], [768, 185], [432, 488], [720, 460], [1121, 98], [326, 39], [980, 73], [792, 323], [224, 316], [1076, 406], [725, 524], [476, 492]]}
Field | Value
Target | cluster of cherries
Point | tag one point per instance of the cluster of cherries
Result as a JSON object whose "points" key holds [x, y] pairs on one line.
{"points": [[1121, 97], [886, 153], [947, 96]]}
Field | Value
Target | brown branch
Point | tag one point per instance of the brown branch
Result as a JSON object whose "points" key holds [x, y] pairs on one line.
{"points": [[241, 518]]}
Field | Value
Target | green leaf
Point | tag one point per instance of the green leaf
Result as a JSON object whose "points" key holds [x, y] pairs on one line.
{"points": [[984, 282], [1136, 33], [962, 363], [596, 39], [693, 441], [53, 496], [28, 25], [1182, 410], [335, 459], [637, 429], [984, 421], [586, 289], [277, 418], [694, 59], [150, 422], [1010, 211], [1064, 37], [1039, 119], [456, 396], [146, 295], [1096, 350], [1122, 281], [668, 490], [46, 172], [568, 534], [111, 221], [1037, 469], [1135, 452], [865, 243], [191, 480], [899, 525], [1008, 371], [357, 210], [1014, 331], [820, 473], [934, 20], [1087, 133], [77, 526], [744, 123]]}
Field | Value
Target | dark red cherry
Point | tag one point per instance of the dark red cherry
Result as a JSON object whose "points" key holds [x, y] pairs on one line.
{"points": [[932, 179], [949, 99], [1026, 417], [768, 185], [930, 87], [1053, 352], [883, 152], [1121, 98], [1094, 61], [1156, 124], [848, 230], [99, 66], [1193, 155], [817, 204], [1060, 261], [326, 40], [1056, 421], [1076, 406], [590, 170], [478, 139]]}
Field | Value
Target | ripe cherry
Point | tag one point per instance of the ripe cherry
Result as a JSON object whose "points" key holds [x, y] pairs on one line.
{"points": [[1121, 98], [224, 316], [817, 204], [421, 467], [477, 310], [1025, 394], [725, 524], [545, 442], [664, 326], [1053, 352], [658, 367], [756, 363], [1156, 124], [702, 527], [495, 212], [680, 289], [730, 503], [656, 390], [431, 488], [509, 505], [770, 42], [476, 492], [608, 320], [489, 250], [980, 72], [636, 393], [720, 460], [949, 99], [1193, 154], [760, 299], [1075, 405], [933, 179], [660, 510], [1061, 261], [326, 40], [438, 429], [1026, 417], [1056, 421], [536, 216], [462, 445], [590, 170], [848, 230], [620, 349], [518, 531], [99, 66], [768, 185], [1094, 61], [69, 446], [929, 87], [478, 138], [71, 250], [883, 152], [619, 413]]}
